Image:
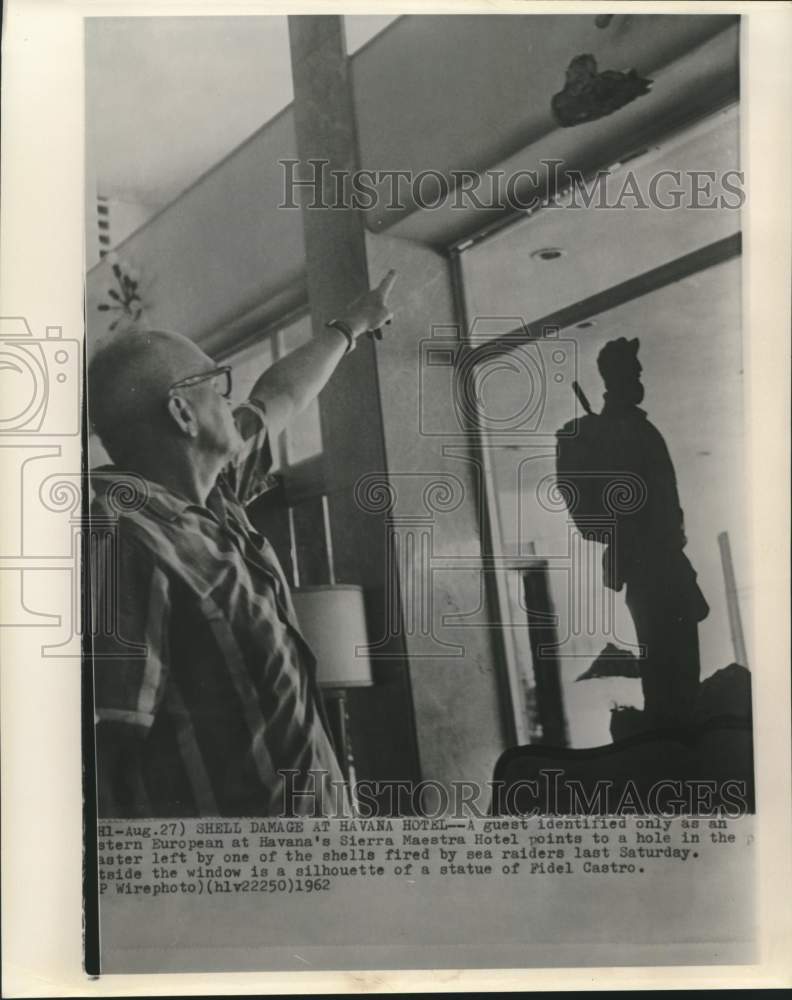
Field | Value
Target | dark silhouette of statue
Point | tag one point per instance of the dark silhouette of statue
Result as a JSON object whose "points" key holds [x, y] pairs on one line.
{"points": [[645, 542]]}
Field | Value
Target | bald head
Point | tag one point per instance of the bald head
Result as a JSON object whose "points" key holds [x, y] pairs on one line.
{"points": [[128, 382]]}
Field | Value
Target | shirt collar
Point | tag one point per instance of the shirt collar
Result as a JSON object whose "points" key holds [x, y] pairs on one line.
{"points": [[144, 494]]}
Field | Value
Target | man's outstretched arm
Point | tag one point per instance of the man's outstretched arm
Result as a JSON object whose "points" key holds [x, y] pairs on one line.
{"points": [[288, 386]]}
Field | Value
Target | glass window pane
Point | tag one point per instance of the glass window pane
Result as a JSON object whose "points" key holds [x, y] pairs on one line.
{"points": [[692, 374], [690, 336]]}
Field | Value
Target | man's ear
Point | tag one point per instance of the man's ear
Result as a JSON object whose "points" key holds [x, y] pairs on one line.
{"points": [[184, 416]]}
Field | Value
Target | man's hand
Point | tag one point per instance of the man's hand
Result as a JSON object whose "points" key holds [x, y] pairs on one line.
{"points": [[370, 311], [288, 386]]}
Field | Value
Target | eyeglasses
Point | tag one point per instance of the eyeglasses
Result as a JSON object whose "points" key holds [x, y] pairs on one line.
{"points": [[219, 377]]}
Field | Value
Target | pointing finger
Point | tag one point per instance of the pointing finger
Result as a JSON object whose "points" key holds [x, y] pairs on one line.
{"points": [[387, 283]]}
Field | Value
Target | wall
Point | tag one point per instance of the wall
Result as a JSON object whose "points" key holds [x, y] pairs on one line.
{"points": [[457, 678], [220, 248]]}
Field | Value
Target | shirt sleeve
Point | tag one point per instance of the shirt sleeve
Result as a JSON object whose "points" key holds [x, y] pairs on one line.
{"points": [[131, 613], [249, 473]]}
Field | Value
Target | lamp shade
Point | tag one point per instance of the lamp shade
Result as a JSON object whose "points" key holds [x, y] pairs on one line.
{"points": [[333, 621]]}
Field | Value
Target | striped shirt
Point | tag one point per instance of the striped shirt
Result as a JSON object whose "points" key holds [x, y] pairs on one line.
{"points": [[205, 691]]}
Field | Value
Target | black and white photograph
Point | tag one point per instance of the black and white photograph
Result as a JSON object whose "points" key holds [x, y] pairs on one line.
{"points": [[418, 589], [514, 516]]}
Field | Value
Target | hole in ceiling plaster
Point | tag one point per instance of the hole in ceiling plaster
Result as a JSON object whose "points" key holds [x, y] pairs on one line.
{"points": [[548, 253], [586, 324]]}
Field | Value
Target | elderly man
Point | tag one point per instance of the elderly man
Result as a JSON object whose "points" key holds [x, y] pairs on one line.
{"points": [[206, 697]]}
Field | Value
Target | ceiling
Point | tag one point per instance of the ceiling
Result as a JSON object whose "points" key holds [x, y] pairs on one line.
{"points": [[504, 277], [167, 97]]}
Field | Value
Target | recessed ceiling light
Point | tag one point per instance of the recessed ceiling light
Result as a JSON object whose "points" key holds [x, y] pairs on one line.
{"points": [[548, 253]]}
